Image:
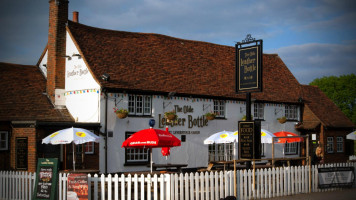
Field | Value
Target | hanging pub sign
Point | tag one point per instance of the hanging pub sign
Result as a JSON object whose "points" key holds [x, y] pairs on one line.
{"points": [[249, 65], [46, 179], [249, 140]]}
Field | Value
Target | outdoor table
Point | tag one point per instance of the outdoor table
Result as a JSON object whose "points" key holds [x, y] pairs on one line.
{"points": [[85, 171], [169, 166]]}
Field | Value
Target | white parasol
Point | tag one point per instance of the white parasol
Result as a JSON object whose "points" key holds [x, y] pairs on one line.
{"points": [[71, 135]]}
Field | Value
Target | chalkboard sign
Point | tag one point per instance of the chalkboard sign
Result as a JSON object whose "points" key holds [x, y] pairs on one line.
{"points": [[46, 179], [21, 153], [249, 140]]}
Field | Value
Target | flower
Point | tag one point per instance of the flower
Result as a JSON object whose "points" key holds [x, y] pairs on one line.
{"points": [[121, 110]]}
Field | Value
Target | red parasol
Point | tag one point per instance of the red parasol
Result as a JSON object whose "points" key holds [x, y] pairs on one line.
{"points": [[152, 138], [294, 137]]}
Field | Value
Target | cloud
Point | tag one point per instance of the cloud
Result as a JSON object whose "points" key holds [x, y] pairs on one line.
{"points": [[314, 60]]}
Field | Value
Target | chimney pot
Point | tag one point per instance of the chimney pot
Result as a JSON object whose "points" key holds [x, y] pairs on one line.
{"points": [[76, 16]]}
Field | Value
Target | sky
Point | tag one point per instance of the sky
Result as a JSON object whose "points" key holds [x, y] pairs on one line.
{"points": [[314, 38]]}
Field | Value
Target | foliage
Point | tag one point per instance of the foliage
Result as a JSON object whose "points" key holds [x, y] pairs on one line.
{"points": [[342, 91], [171, 115], [244, 118], [282, 120], [121, 110], [212, 114]]}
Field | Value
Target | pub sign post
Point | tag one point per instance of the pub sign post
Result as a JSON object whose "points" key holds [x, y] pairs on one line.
{"points": [[249, 79]]}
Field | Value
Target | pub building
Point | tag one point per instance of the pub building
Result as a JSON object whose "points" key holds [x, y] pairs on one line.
{"points": [[85, 72]]}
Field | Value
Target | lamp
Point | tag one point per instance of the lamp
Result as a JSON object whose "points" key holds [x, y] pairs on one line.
{"points": [[171, 94], [152, 123], [76, 55], [105, 77]]}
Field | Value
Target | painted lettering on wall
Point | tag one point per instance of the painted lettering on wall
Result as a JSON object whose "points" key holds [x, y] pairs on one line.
{"points": [[188, 121], [78, 71]]}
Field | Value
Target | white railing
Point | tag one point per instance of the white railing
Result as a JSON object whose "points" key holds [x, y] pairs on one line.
{"points": [[271, 182]]}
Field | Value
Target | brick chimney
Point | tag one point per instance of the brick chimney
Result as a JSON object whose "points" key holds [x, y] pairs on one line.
{"points": [[75, 16], [58, 17]]}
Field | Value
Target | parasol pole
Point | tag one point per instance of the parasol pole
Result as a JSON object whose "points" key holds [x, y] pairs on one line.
{"points": [[73, 157], [151, 159], [235, 189]]}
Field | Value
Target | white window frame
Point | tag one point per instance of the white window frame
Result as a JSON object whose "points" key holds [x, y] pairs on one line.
{"points": [[136, 155], [140, 105], [221, 152], [89, 148], [219, 108], [330, 144], [291, 112], [291, 148], [339, 144], [258, 111], [4, 140]]}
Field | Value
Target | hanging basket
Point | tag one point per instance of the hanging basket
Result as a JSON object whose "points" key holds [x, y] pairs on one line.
{"points": [[282, 120], [121, 115], [210, 117], [171, 116]]}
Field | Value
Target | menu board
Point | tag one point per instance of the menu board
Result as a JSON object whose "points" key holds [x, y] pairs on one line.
{"points": [[77, 187], [249, 140], [46, 179], [21, 153]]}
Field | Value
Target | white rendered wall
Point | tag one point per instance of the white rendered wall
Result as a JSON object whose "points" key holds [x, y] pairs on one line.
{"points": [[192, 152], [43, 64], [82, 90]]}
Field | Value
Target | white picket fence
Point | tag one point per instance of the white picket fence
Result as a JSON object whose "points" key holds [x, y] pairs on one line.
{"points": [[271, 182]]}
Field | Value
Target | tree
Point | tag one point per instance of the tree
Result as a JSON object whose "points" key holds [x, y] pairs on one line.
{"points": [[342, 91]]}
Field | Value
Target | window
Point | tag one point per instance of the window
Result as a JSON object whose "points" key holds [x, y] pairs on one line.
{"points": [[221, 152], [219, 108], [3, 140], [330, 145], [140, 104], [88, 148], [135, 155], [291, 112], [258, 111], [339, 144], [291, 148]]}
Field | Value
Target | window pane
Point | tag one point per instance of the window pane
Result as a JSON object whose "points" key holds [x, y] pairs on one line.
{"points": [[147, 107], [131, 104], [139, 105], [219, 108]]}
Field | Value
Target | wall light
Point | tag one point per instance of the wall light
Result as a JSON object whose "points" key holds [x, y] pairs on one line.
{"points": [[105, 77]]}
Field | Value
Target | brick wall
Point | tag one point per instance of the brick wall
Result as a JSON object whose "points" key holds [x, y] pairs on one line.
{"points": [[58, 16], [30, 134]]}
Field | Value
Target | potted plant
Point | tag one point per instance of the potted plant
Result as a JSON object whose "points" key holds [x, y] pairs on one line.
{"points": [[121, 113], [170, 115], [282, 120], [210, 115]]}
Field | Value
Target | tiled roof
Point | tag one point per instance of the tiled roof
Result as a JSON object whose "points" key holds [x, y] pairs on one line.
{"points": [[158, 63], [324, 109], [22, 88]]}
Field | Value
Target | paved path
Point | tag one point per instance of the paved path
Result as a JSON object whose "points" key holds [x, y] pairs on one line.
{"points": [[344, 194]]}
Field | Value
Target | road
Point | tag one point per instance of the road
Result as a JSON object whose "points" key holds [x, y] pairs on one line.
{"points": [[344, 194]]}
